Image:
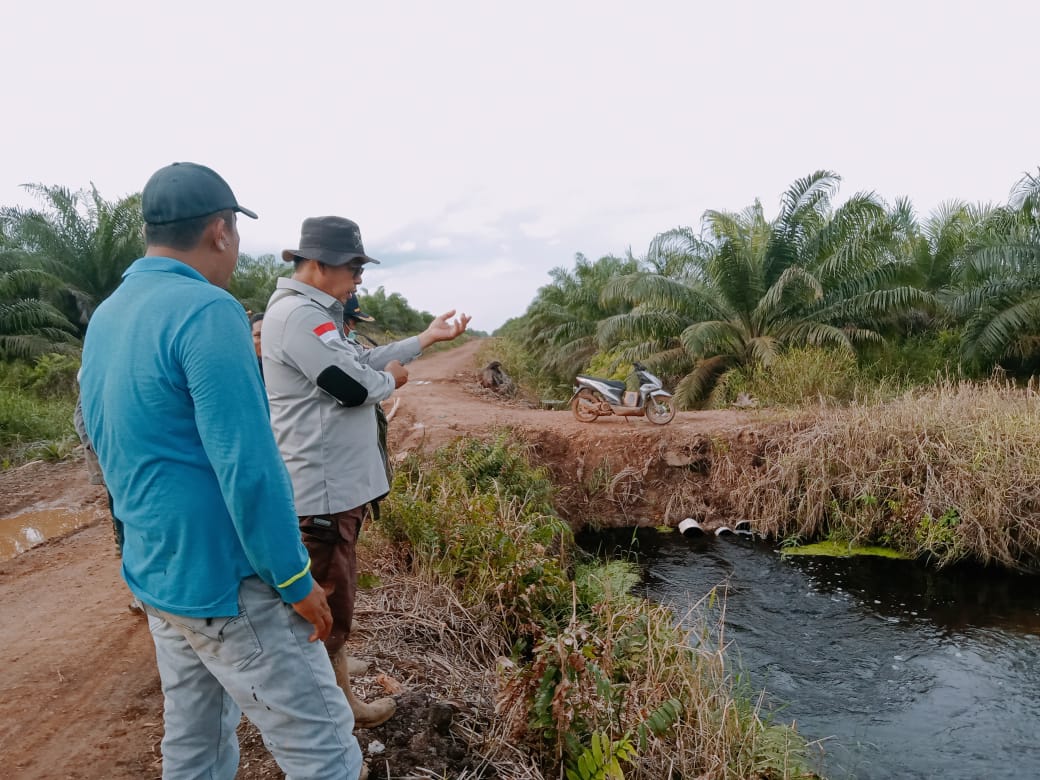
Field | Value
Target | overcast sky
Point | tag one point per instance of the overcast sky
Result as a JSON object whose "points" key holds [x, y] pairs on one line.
{"points": [[480, 144]]}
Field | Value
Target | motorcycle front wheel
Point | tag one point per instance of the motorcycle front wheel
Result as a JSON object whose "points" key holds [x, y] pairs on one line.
{"points": [[584, 406], [659, 411]]}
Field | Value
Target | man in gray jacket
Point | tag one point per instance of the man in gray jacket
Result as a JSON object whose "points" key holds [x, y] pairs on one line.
{"points": [[322, 390]]}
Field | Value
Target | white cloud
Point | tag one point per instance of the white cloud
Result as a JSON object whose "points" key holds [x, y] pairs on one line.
{"points": [[447, 130], [543, 228], [497, 267], [491, 292]]}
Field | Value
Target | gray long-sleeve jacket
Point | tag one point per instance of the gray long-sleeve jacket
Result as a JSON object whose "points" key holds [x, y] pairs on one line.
{"points": [[322, 390], [90, 459]]}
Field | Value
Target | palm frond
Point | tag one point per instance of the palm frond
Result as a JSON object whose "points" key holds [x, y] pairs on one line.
{"points": [[1025, 195], [640, 324], [794, 282], [812, 193], [704, 339], [762, 350], [655, 291], [870, 306], [816, 334], [80, 238], [1003, 258], [694, 388], [679, 254], [990, 333]]}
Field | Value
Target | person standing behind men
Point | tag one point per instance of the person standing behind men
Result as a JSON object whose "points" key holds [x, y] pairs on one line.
{"points": [[173, 402], [352, 315], [256, 322], [322, 389]]}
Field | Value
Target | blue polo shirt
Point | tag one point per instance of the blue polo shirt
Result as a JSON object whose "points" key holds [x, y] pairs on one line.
{"points": [[175, 407]]}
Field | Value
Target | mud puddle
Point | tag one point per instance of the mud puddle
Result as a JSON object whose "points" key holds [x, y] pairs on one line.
{"points": [[25, 530]]}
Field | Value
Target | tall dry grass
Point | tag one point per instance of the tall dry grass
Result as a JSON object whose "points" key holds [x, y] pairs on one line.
{"points": [[952, 473]]}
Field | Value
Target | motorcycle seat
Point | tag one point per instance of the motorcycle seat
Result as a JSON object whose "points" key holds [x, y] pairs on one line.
{"points": [[614, 383]]}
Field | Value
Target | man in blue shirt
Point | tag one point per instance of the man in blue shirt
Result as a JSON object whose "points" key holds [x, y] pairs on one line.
{"points": [[173, 402]]}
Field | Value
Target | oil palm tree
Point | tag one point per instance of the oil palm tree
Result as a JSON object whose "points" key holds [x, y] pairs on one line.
{"points": [[999, 283], [1025, 196], [29, 325], [748, 287], [392, 313], [80, 238], [935, 251], [561, 323], [255, 278]]}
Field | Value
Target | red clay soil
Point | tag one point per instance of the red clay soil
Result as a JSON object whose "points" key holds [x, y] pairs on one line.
{"points": [[79, 691]]}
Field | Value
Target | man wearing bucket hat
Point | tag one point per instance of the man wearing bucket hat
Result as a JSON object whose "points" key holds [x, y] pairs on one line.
{"points": [[322, 390], [211, 541]]}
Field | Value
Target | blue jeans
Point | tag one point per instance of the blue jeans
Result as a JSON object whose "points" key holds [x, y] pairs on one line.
{"points": [[258, 662]]}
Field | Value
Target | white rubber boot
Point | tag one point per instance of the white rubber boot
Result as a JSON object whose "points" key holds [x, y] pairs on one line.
{"points": [[356, 667], [367, 715]]}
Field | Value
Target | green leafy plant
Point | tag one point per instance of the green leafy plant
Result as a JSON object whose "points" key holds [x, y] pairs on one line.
{"points": [[53, 451], [660, 721], [482, 515], [602, 759], [29, 421], [55, 375], [255, 278], [938, 535], [79, 238]]}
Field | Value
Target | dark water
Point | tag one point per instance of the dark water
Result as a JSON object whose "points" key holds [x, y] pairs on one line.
{"points": [[901, 671]]}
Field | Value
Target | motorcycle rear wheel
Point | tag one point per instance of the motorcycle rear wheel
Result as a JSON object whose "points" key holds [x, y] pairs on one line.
{"points": [[583, 407], [659, 411]]}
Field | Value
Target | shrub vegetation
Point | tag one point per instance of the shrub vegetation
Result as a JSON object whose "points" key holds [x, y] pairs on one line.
{"points": [[36, 406], [593, 683]]}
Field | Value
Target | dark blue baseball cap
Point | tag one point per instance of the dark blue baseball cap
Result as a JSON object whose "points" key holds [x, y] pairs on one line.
{"points": [[352, 310], [186, 190]]}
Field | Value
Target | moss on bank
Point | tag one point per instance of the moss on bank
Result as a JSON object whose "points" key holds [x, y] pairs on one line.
{"points": [[832, 549]]}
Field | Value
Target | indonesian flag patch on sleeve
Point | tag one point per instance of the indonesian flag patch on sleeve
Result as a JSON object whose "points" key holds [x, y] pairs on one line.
{"points": [[327, 332]]}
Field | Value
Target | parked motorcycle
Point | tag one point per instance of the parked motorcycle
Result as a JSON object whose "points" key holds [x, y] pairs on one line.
{"points": [[594, 397]]}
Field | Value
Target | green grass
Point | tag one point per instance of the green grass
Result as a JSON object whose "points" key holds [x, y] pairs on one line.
{"points": [[37, 401], [32, 427]]}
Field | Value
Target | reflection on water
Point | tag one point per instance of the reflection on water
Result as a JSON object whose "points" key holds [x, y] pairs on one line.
{"points": [[904, 672], [28, 529]]}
